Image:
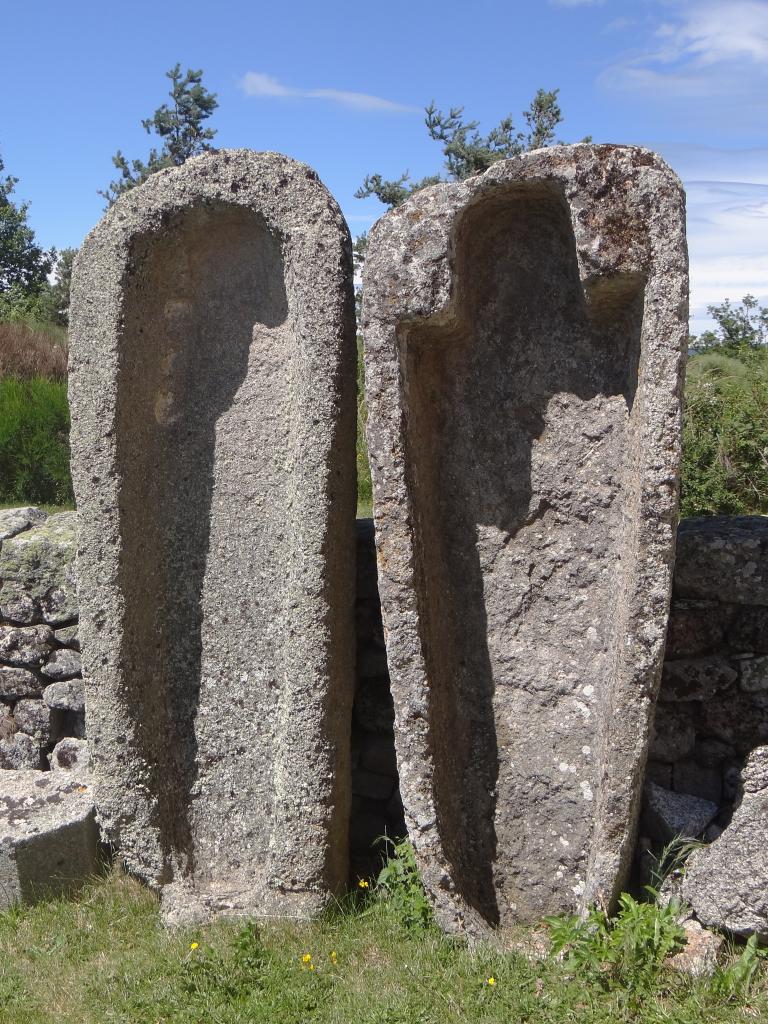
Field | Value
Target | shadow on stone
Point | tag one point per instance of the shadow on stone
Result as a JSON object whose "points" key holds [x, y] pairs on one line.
{"points": [[198, 297], [524, 362]]}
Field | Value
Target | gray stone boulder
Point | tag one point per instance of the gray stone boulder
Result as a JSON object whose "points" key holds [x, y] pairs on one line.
{"points": [[668, 815], [525, 334], [68, 695], [62, 664], [212, 390], [25, 646], [19, 751], [37, 572], [723, 555], [34, 718], [16, 520], [71, 754], [17, 683], [48, 834], [726, 883]]}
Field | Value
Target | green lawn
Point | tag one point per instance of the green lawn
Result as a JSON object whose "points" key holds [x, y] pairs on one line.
{"points": [[105, 958]]}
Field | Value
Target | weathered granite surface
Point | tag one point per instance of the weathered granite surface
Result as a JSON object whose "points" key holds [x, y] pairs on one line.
{"points": [[726, 883], [212, 394], [524, 338], [48, 833], [37, 572]]}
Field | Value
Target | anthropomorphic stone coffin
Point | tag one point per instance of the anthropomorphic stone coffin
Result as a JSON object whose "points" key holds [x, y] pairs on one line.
{"points": [[212, 393], [524, 341]]}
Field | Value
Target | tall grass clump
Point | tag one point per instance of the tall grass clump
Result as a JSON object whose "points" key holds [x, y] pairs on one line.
{"points": [[33, 351], [34, 442]]}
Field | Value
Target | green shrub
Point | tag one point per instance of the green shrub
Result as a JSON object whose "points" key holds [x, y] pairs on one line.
{"points": [[34, 442], [400, 887], [725, 434], [627, 951]]}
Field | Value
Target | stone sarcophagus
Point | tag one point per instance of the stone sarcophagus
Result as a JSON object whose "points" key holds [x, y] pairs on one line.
{"points": [[524, 343], [212, 388]]}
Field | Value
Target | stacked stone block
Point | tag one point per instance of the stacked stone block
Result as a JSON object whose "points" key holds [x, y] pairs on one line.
{"points": [[713, 703], [377, 809], [41, 688]]}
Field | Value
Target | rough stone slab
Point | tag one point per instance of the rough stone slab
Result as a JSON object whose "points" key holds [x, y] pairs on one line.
{"points": [[48, 834], [668, 815], [37, 572], [748, 630], [727, 882], [696, 627], [212, 389], [754, 675], [736, 718], [25, 646], [695, 678], [725, 556], [524, 339], [16, 520]]}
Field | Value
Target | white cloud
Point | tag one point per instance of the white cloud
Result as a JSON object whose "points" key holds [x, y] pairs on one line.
{"points": [[727, 192], [704, 48], [256, 83]]}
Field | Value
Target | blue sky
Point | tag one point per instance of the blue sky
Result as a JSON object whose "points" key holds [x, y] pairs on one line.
{"points": [[343, 86]]}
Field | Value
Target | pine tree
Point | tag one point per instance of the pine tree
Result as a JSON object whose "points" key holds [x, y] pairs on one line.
{"points": [[179, 126], [466, 152]]}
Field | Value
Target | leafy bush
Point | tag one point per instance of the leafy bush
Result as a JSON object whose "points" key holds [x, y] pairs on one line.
{"points": [[626, 951], [34, 442], [725, 434]]}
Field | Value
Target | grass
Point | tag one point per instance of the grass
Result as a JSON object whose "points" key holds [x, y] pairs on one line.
{"points": [[34, 441], [33, 351], [104, 958]]}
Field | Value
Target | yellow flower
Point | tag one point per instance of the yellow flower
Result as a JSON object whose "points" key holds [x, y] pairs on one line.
{"points": [[306, 958], [490, 981], [311, 967], [194, 945], [363, 883], [334, 958]]}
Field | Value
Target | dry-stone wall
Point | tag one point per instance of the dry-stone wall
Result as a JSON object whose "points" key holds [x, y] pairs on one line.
{"points": [[524, 343], [41, 687], [212, 389], [706, 776]]}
